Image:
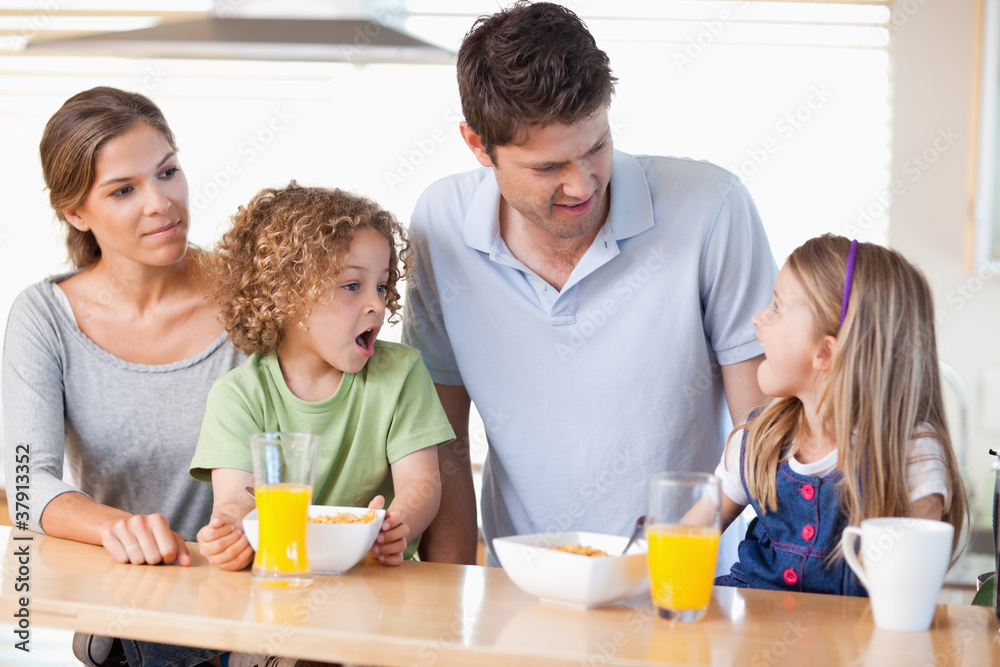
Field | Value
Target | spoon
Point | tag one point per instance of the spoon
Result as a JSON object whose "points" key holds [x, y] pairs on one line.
{"points": [[639, 524]]}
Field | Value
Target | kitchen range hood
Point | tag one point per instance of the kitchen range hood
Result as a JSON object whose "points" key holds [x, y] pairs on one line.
{"points": [[330, 40]]}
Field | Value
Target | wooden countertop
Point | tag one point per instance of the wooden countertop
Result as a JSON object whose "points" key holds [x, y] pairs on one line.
{"points": [[424, 614]]}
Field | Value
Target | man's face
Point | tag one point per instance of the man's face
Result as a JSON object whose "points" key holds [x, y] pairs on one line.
{"points": [[558, 179]]}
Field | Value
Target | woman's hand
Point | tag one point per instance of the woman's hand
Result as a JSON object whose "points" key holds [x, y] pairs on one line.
{"points": [[144, 539]]}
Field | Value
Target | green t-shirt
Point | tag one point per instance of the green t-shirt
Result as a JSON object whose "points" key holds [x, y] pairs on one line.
{"points": [[377, 416]]}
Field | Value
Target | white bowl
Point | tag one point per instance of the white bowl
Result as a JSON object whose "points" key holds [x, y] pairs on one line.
{"points": [[570, 579], [333, 548]]}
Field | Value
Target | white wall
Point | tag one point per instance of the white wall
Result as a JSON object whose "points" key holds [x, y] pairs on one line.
{"points": [[933, 68]]}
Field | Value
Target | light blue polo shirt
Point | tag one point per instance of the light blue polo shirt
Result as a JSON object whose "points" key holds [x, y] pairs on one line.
{"points": [[587, 391]]}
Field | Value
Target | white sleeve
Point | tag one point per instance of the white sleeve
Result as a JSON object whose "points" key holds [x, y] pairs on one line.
{"points": [[926, 473], [728, 470]]}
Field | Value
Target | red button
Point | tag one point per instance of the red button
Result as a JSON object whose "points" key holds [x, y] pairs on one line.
{"points": [[808, 492], [791, 577], [808, 532]]}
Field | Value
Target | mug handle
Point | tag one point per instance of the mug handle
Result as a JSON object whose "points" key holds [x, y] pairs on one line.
{"points": [[847, 542]]}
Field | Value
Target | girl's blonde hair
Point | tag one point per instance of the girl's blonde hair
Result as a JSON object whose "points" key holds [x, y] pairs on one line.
{"points": [[285, 249], [883, 389]]}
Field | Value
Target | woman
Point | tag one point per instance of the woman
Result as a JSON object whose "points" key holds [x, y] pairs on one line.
{"points": [[110, 364]]}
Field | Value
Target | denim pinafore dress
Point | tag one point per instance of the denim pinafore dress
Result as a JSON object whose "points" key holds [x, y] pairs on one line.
{"points": [[788, 549]]}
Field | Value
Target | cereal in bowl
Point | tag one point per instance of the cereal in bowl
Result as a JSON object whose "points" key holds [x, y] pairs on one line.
{"points": [[581, 550], [344, 517]]}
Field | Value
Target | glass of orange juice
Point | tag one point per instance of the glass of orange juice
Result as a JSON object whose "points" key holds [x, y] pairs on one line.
{"points": [[682, 531], [284, 465]]}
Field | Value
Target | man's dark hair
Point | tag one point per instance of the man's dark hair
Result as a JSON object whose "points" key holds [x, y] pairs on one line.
{"points": [[530, 64]]}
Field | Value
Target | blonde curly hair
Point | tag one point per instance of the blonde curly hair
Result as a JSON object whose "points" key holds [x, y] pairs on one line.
{"points": [[285, 249]]}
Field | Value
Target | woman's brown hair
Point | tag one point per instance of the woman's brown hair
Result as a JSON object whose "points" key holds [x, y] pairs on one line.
{"points": [[529, 65], [71, 142]]}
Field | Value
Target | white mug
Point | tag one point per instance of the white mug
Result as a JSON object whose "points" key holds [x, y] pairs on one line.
{"points": [[905, 561]]}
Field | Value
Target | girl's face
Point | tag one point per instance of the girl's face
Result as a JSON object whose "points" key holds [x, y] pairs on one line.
{"points": [[792, 343], [137, 207], [340, 333]]}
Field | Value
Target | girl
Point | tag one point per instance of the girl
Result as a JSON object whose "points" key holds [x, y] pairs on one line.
{"points": [[305, 277], [856, 428], [90, 355]]}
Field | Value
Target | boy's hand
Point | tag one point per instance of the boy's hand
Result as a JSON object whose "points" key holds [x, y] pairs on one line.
{"points": [[144, 538], [391, 541], [223, 543]]}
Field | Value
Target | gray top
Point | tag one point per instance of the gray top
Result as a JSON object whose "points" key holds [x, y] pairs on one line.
{"points": [[128, 430]]}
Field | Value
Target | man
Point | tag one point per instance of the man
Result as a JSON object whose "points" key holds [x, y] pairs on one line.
{"points": [[595, 306]]}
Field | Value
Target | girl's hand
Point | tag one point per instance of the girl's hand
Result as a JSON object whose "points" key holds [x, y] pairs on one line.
{"points": [[223, 543], [391, 541], [144, 539]]}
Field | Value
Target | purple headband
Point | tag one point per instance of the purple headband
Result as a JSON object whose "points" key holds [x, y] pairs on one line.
{"points": [[848, 280]]}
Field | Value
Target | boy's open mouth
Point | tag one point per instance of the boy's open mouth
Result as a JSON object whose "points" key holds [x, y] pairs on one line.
{"points": [[366, 341]]}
